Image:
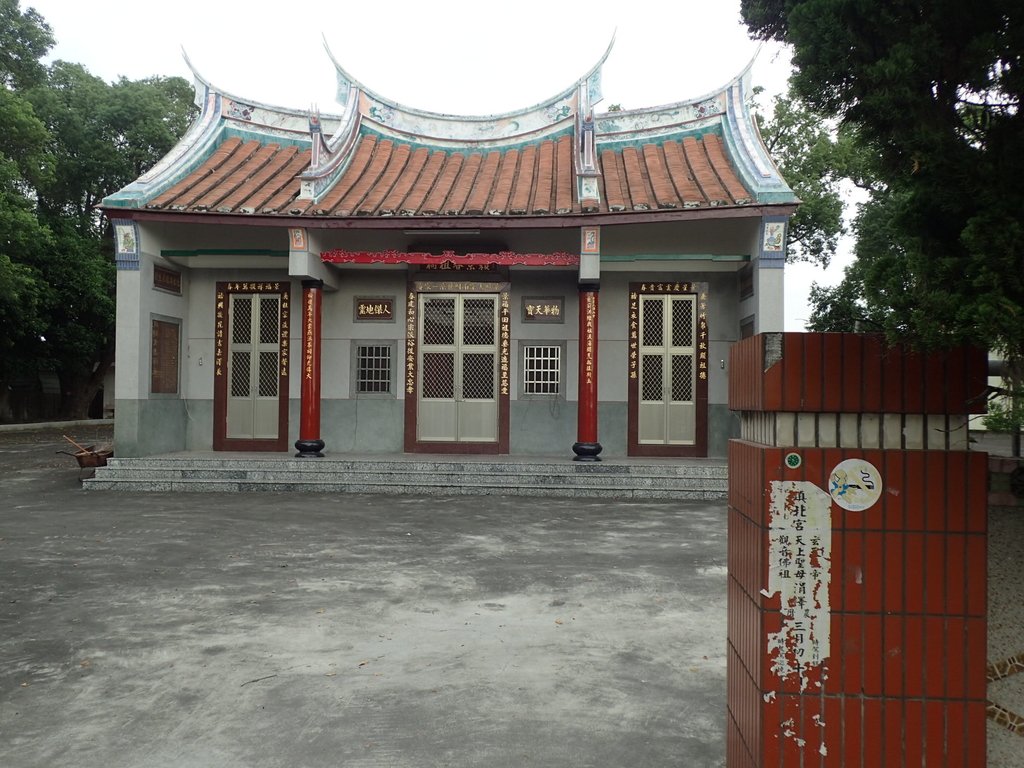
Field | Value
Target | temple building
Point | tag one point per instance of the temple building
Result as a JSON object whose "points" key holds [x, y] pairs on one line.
{"points": [[555, 281]]}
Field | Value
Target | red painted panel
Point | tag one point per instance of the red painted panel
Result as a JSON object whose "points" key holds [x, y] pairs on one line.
{"points": [[853, 571], [937, 491], [793, 372], [771, 734], [937, 381], [818, 463], [853, 732], [977, 519], [976, 733], [891, 365], [956, 575], [914, 495], [812, 732], [873, 747], [977, 380], [976, 658], [790, 750], [874, 516], [773, 383], [874, 571], [893, 583], [873, 654], [836, 587], [976, 572], [873, 374], [913, 381], [934, 573], [893, 497], [851, 370], [956, 658], [892, 671], [892, 729], [913, 655], [957, 463], [833, 732], [956, 735], [851, 653], [836, 375], [913, 730], [935, 656], [814, 372], [913, 572]]}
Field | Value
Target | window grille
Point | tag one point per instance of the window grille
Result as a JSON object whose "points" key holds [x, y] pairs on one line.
{"points": [[542, 370], [373, 369]]}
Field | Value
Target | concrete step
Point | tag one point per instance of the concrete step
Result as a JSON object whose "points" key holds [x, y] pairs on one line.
{"points": [[662, 480]]}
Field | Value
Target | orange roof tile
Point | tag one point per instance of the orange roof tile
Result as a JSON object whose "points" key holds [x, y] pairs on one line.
{"points": [[387, 177]]}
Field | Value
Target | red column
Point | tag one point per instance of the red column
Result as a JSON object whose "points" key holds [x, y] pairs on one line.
{"points": [[586, 446], [309, 444], [857, 555]]}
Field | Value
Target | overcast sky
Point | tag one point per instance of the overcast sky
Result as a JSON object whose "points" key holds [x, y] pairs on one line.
{"points": [[459, 57]]}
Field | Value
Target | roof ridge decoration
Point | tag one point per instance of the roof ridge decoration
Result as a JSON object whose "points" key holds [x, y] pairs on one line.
{"points": [[412, 121], [245, 157], [726, 110], [221, 114]]}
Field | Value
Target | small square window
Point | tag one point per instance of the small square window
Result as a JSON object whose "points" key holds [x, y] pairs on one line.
{"points": [[373, 369], [542, 369]]}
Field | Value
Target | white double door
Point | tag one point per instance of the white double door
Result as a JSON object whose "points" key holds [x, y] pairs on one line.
{"points": [[458, 368], [667, 382], [253, 395]]}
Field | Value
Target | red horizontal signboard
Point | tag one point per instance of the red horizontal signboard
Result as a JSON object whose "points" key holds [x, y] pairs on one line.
{"points": [[502, 258]]}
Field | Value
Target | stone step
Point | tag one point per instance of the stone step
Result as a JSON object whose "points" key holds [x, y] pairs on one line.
{"points": [[666, 480], [321, 466], [422, 477]]}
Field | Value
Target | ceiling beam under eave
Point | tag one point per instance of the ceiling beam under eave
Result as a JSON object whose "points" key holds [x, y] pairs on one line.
{"points": [[434, 223]]}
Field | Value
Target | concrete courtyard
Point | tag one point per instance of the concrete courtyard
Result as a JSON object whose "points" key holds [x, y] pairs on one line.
{"points": [[160, 630], [310, 630]]}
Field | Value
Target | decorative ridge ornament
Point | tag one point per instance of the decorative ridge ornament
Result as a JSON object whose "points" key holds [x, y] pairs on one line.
{"points": [[388, 112]]}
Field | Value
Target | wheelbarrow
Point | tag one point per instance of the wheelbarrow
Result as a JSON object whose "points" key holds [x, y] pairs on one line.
{"points": [[88, 457]]}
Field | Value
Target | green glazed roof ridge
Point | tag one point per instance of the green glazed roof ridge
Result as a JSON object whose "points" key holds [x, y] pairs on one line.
{"points": [[345, 77]]}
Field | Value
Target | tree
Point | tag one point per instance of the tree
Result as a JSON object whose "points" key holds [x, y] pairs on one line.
{"points": [[24, 39], [102, 137], [67, 139], [815, 159], [935, 91], [24, 164]]}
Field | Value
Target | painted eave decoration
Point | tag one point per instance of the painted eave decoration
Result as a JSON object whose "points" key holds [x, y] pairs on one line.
{"points": [[379, 158]]}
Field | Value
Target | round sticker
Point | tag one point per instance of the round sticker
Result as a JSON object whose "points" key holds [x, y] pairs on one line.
{"points": [[793, 460], [855, 484]]}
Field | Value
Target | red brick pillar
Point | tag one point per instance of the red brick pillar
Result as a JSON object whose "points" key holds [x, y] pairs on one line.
{"points": [[857, 555]]}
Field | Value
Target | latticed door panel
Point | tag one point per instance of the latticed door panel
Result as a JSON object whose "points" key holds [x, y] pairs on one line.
{"points": [[667, 372], [254, 366], [458, 368]]}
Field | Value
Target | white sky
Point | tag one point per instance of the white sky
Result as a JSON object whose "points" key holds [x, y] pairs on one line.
{"points": [[464, 57]]}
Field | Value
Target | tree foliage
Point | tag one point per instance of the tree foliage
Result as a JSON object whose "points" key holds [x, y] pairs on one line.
{"points": [[934, 90], [67, 139], [815, 158], [25, 38]]}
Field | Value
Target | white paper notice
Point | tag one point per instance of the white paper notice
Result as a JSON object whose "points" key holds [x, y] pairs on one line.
{"points": [[799, 563]]}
